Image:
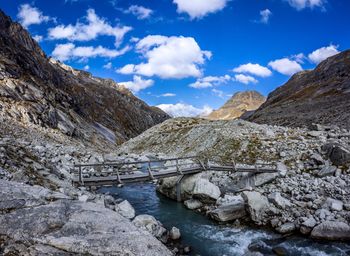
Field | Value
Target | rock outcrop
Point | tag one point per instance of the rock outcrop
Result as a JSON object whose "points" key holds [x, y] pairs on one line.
{"points": [[39, 90], [319, 96], [237, 105], [37, 221]]}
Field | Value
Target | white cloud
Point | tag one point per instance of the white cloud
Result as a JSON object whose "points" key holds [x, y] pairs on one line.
{"points": [[69, 51], [218, 93], [302, 4], [185, 110], [254, 69], [323, 53], [244, 79], [139, 11], [285, 66], [94, 27], [108, 65], [138, 84], [168, 57], [87, 67], [29, 15], [38, 38], [210, 81], [199, 8], [168, 94], [265, 16], [298, 58]]}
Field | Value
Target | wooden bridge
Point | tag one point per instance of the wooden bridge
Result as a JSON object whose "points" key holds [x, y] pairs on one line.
{"points": [[115, 173]]}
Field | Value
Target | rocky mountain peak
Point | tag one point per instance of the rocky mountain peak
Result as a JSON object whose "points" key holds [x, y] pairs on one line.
{"points": [[237, 105], [318, 96], [45, 92]]}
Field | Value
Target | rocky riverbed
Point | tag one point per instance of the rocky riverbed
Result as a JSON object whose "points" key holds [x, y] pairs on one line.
{"points": [[310, 195]]}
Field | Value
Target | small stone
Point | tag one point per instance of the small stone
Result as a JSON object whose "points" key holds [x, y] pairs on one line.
{"points": [[174, 233], [288, 227], [193, 204]]}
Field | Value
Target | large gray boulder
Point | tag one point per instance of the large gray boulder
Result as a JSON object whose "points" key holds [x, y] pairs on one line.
{"points": [[278, 200], [256, 205], [338, 154], [332, 230], [125, 209], [151, 225], [206, 191], [229, 212], [326, 171], [53, 223]]}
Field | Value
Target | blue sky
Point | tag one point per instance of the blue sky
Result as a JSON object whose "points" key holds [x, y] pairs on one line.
{"points": [[188, 57]]}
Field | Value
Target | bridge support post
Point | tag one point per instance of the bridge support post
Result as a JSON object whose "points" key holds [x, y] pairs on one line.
{"points": [[178, 188]]}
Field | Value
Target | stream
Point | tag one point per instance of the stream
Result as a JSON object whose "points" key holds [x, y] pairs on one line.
{"points": [[207, 238]]}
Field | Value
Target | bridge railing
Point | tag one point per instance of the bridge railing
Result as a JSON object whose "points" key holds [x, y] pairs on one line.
{"points": [[121, 168]]}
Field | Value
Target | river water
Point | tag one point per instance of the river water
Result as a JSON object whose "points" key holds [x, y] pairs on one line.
{"points": [[207, 238]]}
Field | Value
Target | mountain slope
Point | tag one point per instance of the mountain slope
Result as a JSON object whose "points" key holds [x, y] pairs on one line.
{"points": [[319, 96], [237, 105], [39, 90]]}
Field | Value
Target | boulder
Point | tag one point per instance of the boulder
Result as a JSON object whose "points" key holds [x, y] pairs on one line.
{"points": [[256, 205], [229, 199], [307, 225], [125, 209], [52, 220], [174, 233], [326, 171], [150, 224], [286, 228], [206, 191], [278, 200], [193, 204], [339, 155], [263, 178], [333, 204], [332, 230], [282, 169], [229, 212]]}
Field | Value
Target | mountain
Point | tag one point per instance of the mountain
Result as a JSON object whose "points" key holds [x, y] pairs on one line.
{"points": [[319, 96], [237, 105], [35, 89]]}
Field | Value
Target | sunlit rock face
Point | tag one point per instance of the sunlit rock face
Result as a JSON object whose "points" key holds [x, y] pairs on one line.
{"points": [[40, 90], [318, 96], [237, 105]]}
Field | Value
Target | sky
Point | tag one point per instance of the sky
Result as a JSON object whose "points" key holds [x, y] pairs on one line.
{"points": [[188, 56]]}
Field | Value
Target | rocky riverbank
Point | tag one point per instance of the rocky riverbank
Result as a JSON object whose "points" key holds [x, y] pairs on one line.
{"points": [[43, 214], [310, 194]]}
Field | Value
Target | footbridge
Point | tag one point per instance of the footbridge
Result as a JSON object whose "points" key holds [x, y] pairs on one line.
{"points": [[116, 173]]}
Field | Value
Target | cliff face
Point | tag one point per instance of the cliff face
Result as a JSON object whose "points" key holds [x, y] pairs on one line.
{"points": [[39, 90], [239, 103], [319, 96]]}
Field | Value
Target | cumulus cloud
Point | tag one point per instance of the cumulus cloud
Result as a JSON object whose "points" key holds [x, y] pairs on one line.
{"points": [[199, 8], [168, 94], [218, 93], [244, 79], [254, 69], [93, 28], [265, 16], [168, 57], [139, 11], [323, 53], [87, 67], [185, 110], [210, 81], [302, 4], [28, 15], [138, 84], [69, 51], [108, 65], [285, 66], [38, 38]]}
